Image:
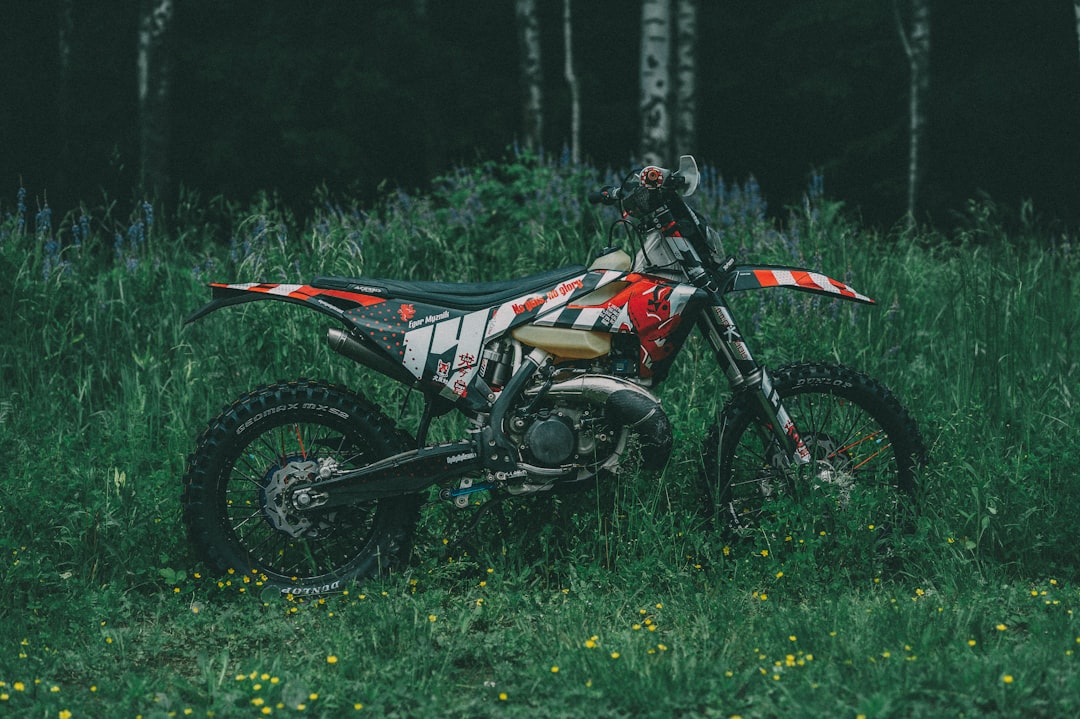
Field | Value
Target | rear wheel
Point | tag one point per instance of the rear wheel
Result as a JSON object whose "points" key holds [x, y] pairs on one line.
{"points": [[268, 441], [865, 449]]}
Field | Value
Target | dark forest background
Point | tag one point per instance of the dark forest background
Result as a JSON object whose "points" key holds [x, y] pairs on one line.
{"points": [[285, 97]]}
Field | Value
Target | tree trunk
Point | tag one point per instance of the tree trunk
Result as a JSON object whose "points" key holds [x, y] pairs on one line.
{"points": [[916, 40], [66, 30], [655, 80], [532, 74], [571, 81], [1076, 10], [154, 67], [686, 76]]}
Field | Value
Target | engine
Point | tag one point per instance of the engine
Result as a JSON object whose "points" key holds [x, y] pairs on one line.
{"points": [[576, 424], [565, 442]]}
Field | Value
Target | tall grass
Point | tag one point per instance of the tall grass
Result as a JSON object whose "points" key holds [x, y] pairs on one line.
{"points": [[104, 389]]}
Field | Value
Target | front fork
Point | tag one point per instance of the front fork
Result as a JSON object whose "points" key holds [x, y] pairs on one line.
{"points": [[746, 375]]}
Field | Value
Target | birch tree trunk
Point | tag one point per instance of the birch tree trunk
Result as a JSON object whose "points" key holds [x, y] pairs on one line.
{"points": [[686, 76], [572, 82], [655, 80], [532, 75], [155, 19], [1076, 10], [916, 40]]}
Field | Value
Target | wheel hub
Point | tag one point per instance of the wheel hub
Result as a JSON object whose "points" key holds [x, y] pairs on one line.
{"points": [[832, 466], [277, 493]]}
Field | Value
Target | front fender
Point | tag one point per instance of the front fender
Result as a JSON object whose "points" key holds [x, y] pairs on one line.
{"points": [[758, 277]]}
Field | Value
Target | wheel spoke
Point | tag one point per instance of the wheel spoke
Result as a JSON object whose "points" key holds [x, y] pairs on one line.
{"points": [[300, 441], [875, 454], [254, 515], [855, 443]]}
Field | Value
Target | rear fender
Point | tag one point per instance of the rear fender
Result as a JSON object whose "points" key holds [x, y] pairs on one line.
{"points": [[331, 302], [759, 277]]}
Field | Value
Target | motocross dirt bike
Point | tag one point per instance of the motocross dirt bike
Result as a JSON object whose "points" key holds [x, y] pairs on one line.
{"points": [[310, 486]]}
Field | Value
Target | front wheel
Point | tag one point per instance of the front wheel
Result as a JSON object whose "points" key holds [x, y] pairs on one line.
{"points": [[865, 449], [269, 440]]}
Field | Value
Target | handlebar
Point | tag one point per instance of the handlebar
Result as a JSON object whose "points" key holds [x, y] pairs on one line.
{"points": [[676, 182], [606, 195], [611, 195]]}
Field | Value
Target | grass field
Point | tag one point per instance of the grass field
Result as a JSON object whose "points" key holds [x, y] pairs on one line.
{"points": [[614, 603]]}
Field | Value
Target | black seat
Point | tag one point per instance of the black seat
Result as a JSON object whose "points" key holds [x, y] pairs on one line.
{"points": [[456, 295]]}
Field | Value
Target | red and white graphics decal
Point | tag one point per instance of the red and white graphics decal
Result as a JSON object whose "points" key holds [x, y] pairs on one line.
{"points": [[445, 349], [532, 307], [758, 277], [649, 307], [562, 292], [655, 314], [334, 302], [445, 346], [298, 292]]}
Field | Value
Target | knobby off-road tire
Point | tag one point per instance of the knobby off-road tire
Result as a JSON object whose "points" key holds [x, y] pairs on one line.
{"points": [[860, 438], [265, 442]]}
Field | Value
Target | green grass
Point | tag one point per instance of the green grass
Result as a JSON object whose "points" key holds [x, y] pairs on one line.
{"points": [[603, 645], [612, 603]]}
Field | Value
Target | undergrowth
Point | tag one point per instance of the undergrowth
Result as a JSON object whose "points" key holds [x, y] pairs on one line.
{"points": [[612, 601]]}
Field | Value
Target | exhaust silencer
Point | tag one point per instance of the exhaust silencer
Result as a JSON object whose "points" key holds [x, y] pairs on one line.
{"points": [[349, 345]]}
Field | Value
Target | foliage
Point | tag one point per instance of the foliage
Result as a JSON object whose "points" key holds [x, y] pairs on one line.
{"points": [[614, 602], [350, 93]]}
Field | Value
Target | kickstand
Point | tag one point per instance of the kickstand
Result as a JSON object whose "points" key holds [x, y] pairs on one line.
{"points": [[495, 503]]}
